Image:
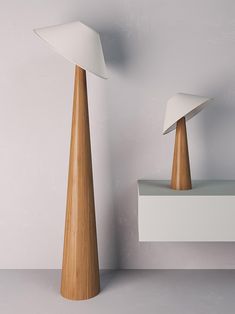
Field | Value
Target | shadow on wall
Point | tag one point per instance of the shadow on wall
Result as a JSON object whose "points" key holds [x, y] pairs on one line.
{"points": [[120, 56], [117, 56], [115, 47], [217, 125], [126, 50]]}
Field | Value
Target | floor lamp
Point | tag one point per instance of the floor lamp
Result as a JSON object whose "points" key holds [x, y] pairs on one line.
{"points": [[180, 108], [80, 271]]}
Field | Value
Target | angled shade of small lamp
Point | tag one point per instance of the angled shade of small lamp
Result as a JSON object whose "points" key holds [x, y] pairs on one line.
{"points": [[80, 45], [181, 108]]}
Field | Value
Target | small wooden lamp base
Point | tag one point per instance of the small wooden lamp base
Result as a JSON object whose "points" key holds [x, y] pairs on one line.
{"points": [[80, 270], [181, 177]]}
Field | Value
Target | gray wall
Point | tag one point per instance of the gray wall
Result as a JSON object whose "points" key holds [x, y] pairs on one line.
{"points": [[153, 50]]}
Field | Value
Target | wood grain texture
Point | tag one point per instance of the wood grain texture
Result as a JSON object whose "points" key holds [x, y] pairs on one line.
{"points": [[181, 177], [80, 270]]}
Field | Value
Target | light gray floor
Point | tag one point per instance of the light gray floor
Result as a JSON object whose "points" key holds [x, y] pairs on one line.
{"points": [[130, 291]]}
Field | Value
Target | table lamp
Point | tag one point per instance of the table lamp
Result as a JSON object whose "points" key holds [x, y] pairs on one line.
{"points": [[80, 45], [180, 108]]}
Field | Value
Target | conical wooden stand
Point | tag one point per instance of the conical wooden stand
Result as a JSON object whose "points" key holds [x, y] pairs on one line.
{"points": [[181, 177], [80, 271]]}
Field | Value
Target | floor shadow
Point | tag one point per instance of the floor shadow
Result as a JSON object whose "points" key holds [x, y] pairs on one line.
{"points": [[107, 278]]}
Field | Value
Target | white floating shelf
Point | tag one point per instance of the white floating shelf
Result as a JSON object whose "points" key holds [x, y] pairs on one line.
{"points": [[205, 213]]}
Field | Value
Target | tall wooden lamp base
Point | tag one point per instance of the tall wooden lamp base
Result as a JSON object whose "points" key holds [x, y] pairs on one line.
{"points": [[80, 270], [181, 177]]}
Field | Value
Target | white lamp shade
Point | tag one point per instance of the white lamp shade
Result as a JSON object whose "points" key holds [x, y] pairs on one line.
{"points": [[182, 105], [78, 43]]}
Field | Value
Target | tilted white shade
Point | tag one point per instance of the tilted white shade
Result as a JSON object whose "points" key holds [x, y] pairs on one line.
{"points": [[182, 105], [78, 43]]}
